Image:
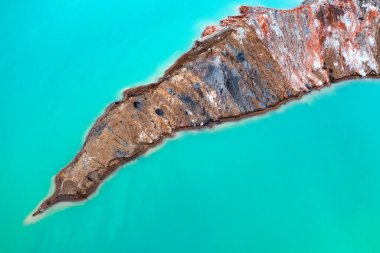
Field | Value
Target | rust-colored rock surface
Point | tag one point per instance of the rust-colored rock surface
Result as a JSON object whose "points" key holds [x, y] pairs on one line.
{"points": [[244, 66]]}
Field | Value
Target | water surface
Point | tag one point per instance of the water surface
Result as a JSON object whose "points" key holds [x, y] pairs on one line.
{"points": [[304, 179]]}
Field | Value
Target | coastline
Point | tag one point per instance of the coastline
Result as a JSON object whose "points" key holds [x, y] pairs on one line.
{"points": [[300, 178]]}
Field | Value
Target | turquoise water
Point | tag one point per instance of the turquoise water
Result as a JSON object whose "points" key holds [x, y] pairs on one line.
{"points": [[303, 179]]}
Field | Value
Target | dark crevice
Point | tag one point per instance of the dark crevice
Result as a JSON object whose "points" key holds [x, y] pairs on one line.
{"points": [[98, 162], [159, 112]]}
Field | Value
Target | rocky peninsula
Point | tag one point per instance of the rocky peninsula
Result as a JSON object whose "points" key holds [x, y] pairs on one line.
{"points": [[244, 66]]}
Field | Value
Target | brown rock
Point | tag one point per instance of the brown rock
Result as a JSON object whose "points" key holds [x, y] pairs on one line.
{"points": [[257, 62]]}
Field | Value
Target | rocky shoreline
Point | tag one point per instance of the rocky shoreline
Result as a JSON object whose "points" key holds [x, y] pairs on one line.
{"points": [[245, 66]]}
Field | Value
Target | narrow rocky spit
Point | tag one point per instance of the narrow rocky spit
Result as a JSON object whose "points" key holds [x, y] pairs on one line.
{"points": [[246, 65]]}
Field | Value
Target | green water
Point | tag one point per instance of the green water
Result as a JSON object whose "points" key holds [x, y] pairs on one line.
{"points": [[303, 179]]}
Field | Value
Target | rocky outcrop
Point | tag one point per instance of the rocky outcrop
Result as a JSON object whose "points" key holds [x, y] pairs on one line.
{"points": [[244, 66]]}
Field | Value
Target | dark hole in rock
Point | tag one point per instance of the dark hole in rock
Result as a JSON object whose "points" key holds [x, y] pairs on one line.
{"points": [[170, 90], [137, 105], [48, 203], [89, 178], [160, 112], [308, 86], [240, 57]]}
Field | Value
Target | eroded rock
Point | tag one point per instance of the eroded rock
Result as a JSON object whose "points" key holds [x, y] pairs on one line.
{"points": [[244, 66]]}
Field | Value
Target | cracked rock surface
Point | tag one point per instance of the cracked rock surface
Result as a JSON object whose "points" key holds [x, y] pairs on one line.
{"points": [[246, 65]]}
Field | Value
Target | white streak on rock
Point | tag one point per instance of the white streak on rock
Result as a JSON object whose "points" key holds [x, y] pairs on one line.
{"points": [[362, 72], [357, 60], [332, 43], [240, 34], [347, 21], [316, 23], [317, 62], [371, 41], [370, 7], [211, 97], [276, 28]]}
